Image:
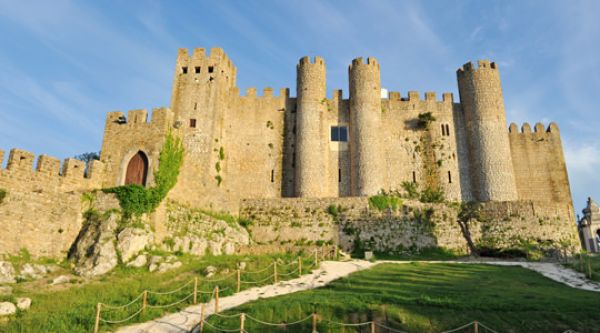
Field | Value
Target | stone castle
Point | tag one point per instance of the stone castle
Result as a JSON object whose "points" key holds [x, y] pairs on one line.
{"points": [[249, 147]]}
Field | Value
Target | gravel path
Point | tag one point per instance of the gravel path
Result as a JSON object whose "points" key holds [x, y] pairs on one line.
{"points": [[186, 320]]}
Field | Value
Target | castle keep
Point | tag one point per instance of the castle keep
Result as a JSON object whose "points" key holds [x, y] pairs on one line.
{"points": [[241, 147]]}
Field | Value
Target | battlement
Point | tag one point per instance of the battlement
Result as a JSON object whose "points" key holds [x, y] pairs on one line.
{"points": [[21, 162], [161, 117], [305, 61], [357, 62], [414, 96], [267, 92], [538, 129], [481, 64]]}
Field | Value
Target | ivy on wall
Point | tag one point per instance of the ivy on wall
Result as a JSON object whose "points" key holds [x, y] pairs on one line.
{"points": [[2, 194], [136, 199]]}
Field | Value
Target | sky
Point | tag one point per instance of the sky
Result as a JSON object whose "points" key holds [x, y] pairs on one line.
{"points": [[65, 64]]}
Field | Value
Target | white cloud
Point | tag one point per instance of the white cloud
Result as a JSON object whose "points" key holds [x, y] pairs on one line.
{"points": [[583, 165]]}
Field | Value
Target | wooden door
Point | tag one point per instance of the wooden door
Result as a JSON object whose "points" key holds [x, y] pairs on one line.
{"points": [[137, 170]]}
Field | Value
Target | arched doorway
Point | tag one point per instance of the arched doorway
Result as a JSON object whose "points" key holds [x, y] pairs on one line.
{"points": [[137, 169]]}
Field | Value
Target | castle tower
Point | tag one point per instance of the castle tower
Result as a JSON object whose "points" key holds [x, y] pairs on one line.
{"points": [[492, 175], [310, 145], [365, 126]]}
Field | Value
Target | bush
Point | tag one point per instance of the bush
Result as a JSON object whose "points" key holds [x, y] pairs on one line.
{"points": [[424, 119], [431, 195], [333, 210], [411, 189], [384, 201]]}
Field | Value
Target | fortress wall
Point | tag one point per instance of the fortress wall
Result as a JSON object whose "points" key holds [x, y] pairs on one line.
{"points": [[403, 143], [338, 177], [126, 136], [42, 209], [539, 164]]}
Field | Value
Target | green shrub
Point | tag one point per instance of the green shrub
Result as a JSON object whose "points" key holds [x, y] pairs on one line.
{"points": [[136, 199], [333, 210], [411, 189], [384, 201], [2, 194], [424, 119], [432, 195]]}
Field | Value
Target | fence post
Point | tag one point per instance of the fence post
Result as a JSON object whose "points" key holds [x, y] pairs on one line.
{"points": [[97, 324], [316, 258], [299, 266], [202, 317], [589, 262], [580, 262], [242, 319], [195, 290], [145, 300], [372, 327], [314, 322], [275, 271], [238, 281], [217, 299], [475, 327]]}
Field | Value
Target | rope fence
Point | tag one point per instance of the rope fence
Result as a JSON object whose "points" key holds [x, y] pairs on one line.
{"points": [[147, 296]]}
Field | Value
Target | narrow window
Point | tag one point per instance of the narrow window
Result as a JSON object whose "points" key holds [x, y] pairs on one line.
{"points": [[414, 177], [339, 134], [344, 134], [272, 176], [449, 178], [195, 106], [197, 69], [339, 175], [294, 160], [335, 133], [211, 69], [184, 69], [193, 123], [443, 130], [447, 130]]}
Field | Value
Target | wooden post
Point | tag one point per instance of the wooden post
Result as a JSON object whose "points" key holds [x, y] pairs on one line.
{"points": [[316, 258], [202, 318], [97, 325], [314, 322], [299, 266], [580, 262], [217, 299], [145, 300], [372, 327], [590, 267], [237, 289], [275, 271], [475, 327], [195, 290], [242, 319]]}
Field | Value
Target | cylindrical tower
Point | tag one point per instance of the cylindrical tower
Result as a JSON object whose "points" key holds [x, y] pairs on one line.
{"points": [[310, 153], [492, 175], [365, 127]]}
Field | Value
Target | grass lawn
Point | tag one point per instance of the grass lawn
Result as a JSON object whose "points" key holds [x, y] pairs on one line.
{"points": [[420, 297], [71, 308]]}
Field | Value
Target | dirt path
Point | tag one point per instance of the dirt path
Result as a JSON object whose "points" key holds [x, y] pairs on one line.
{"points": [[186, 320]]}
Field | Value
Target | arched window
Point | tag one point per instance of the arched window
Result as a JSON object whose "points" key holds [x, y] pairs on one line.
{"points": [[137, 169]]}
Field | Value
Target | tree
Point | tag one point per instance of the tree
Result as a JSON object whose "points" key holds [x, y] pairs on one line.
{"points": [[467, 212], [87, 158]]}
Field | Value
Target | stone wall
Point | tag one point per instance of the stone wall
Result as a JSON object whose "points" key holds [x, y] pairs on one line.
{"points": [[42, 209], [353, 223]]}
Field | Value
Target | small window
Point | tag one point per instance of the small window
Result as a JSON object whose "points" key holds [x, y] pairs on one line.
{"points": [[443, 130], [294, 160], [211, 69], [414, 177], [184, 69], [339, 175], [195, 106], [339, 133], [449, 178], [193, 123], [197, 69], [272, 176], [447, 130]]}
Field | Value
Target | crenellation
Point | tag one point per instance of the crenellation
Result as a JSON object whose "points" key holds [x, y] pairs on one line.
{"points": [[526, 128], [284, 92], [251, 92], [539, 128], [448, 97], [430, 96], [553, 128], [138, 116], [73, 168], [413, 96], [394, 96], [1, 158], [48, 165], [20, 160], [267, 92]]}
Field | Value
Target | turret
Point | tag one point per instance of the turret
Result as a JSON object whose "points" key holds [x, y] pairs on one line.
{"points": [[492, 175], [311, 148], [365, 127]]}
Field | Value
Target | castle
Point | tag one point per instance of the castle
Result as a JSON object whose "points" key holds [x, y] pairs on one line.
{"points": [[240, 147]]}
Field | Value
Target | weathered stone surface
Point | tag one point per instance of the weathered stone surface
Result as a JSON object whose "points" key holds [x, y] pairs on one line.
{"points": [[131, 241], [210, 271], [167, 266], [61, 279], [139, 261], [33, 271], [7, 308], [94, 251], [7, 272], [23, 303], [5, 290]]}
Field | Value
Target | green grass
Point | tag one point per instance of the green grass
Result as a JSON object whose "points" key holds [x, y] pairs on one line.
{"points": [[587, 263], [430, 253], [421, 297], [57, 309]]}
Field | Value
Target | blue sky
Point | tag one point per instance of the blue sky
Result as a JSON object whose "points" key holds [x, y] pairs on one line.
{"points": [[64, 64]]}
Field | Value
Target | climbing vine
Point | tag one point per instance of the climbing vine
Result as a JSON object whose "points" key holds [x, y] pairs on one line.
{"points": [[2, 195], [136, 199]]}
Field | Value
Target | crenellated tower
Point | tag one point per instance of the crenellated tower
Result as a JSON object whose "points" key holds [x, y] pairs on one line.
{"points": [[311, 148], [492, 174], [365, 127]]}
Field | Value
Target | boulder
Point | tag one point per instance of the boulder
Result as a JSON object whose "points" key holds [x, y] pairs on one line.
{"points": [[7, 272], [7, 309], [210, 271], [214, 248], [139, 261], [229, 248], [154, 261], [167, 266], [33, 271], [23, 303], [61, 279], [94, 251], [5, 290], [199, 246], [241, 265], [131, 241]]}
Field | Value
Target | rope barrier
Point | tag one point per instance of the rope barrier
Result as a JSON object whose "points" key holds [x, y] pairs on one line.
{"points": [[389, 329], [172, 304], [221, 279], [172, 291], [459, 328], [117, 307], [219, 328], [489, 329], [280, 324], [260, 270], [260, 281], [288, 274], [344, 324], [227, 316], [121, 321]]}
